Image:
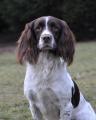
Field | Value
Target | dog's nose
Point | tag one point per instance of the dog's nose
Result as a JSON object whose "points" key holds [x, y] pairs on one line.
{"points": [[47, 38]]}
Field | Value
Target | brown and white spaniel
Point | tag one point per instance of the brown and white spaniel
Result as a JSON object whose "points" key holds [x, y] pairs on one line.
{"points": [[47, 47]]}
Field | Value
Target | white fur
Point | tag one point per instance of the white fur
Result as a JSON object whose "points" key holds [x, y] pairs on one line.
{"points": [[51, 73], [46, 32], [84, 111], [45, 74]]}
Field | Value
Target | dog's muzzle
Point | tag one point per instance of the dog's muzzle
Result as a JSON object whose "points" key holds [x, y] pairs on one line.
{"points": [[46, 42], [47, 39]]}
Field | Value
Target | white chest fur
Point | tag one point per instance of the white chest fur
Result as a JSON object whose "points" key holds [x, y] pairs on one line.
{"points": [[48, 72], [48, 84]]}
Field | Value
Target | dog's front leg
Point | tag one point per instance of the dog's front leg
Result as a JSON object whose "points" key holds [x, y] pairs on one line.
{"points": [[66, 112], [36, 114]]}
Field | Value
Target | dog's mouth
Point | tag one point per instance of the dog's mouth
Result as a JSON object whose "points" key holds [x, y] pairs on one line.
{"points": [[47, 47]]}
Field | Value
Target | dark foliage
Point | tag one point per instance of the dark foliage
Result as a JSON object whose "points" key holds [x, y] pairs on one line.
{"points": [[80, 14]]}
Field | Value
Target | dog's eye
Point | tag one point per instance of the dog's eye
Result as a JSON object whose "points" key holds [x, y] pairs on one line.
{"points": [[54, 27], [38, 28]]}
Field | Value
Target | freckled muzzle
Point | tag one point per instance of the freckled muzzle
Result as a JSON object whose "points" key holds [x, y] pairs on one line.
{"points": [[46, 38], [46, 42]]}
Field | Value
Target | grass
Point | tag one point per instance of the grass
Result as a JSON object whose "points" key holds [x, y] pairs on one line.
{"points": [[13, 104]]}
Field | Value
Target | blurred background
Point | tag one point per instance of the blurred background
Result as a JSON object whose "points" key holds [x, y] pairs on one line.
{"points": [[79, 14], [14, 14]]}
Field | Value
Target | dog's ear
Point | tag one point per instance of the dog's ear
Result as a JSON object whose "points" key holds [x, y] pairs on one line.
{"points": [[66, 43], [27, 48]]}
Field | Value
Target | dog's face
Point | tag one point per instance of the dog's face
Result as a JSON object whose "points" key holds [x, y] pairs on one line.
{"points": [[47, 31], [46, 34]]}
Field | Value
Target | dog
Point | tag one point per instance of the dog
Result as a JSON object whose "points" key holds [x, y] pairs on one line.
{"points": [[47, 46]]}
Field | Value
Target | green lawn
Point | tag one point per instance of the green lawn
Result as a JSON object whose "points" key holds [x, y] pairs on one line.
{"points": [[14, 106]]}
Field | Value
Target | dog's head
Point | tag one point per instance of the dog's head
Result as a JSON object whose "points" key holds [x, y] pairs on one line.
{"points": [[46, 34]]}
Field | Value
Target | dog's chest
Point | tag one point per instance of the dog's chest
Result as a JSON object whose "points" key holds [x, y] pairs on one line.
{"points": [[46, 86], [48, 103], [49, 94]]}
